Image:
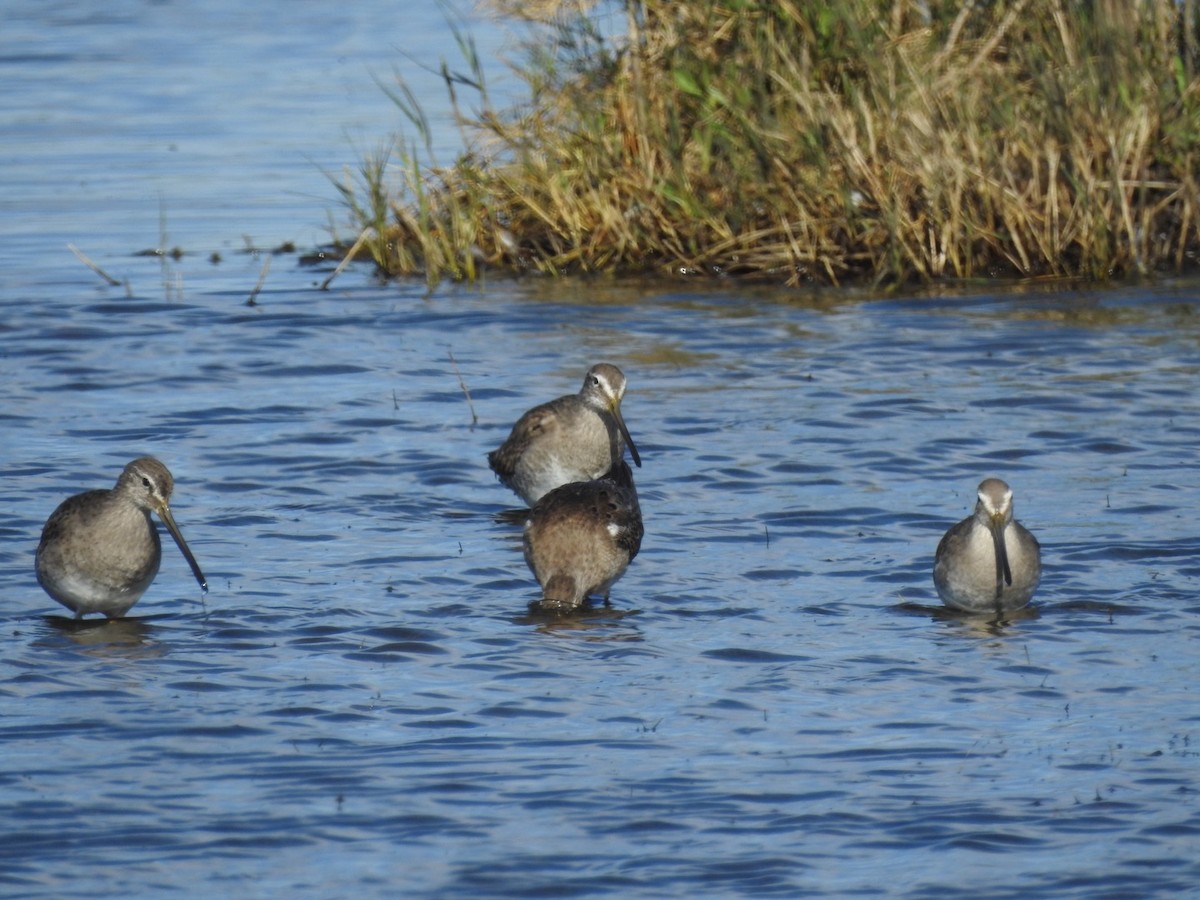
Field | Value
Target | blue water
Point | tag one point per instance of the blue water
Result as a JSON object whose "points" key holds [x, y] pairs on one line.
{"points": [[775, 704]]}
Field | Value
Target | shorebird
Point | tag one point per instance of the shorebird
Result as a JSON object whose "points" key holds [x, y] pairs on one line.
{"points": [[581, 537], [100, 550], [988, 562], [573, 438]]}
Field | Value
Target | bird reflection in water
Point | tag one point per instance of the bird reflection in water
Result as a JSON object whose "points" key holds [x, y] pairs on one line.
{"points": [[593, 623], [127, 637]]}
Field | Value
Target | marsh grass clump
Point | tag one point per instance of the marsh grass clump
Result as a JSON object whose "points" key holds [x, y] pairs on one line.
{"points": [[881, 140]]}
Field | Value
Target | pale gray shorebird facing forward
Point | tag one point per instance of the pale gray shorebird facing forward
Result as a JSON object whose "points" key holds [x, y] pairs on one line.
{"points": [[988, 562], [581, 537], [573, 438], [100, 549]]}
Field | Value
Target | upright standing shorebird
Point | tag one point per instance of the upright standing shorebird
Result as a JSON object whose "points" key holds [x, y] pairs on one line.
{"points": [[988, 562], [573, 438], [100, 549], [581, 537]]}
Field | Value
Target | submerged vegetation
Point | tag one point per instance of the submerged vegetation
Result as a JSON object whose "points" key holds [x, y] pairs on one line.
{"points": [[882, 140]]}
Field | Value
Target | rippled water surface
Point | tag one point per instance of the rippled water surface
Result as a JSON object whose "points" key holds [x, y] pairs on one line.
{"points": [[774, 704]]}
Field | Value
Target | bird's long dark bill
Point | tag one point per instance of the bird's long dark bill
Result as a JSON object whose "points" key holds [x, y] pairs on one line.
{"points": [[169, 521], [637, 460], [1003, 572]]}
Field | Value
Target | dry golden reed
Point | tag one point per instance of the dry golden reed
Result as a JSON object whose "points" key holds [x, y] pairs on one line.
{"points": [[889, 141]]}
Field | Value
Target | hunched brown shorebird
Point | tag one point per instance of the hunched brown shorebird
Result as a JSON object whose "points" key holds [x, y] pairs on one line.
{"points": [[580, 537], [571, 439], [988, 562], [100, 550]]}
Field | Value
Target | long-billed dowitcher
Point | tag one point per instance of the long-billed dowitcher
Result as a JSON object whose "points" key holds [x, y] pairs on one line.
{"points": [[581, 537], [573, 438], [100, 549], [988, 562]]}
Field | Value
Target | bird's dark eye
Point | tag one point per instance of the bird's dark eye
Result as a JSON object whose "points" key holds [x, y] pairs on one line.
{"points": [[146, 483], [595, 380]]}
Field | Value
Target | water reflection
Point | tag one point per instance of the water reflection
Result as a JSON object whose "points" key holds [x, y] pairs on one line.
{"points": [[126, 637], [593, 621], [515, 517], [985, 624]]}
